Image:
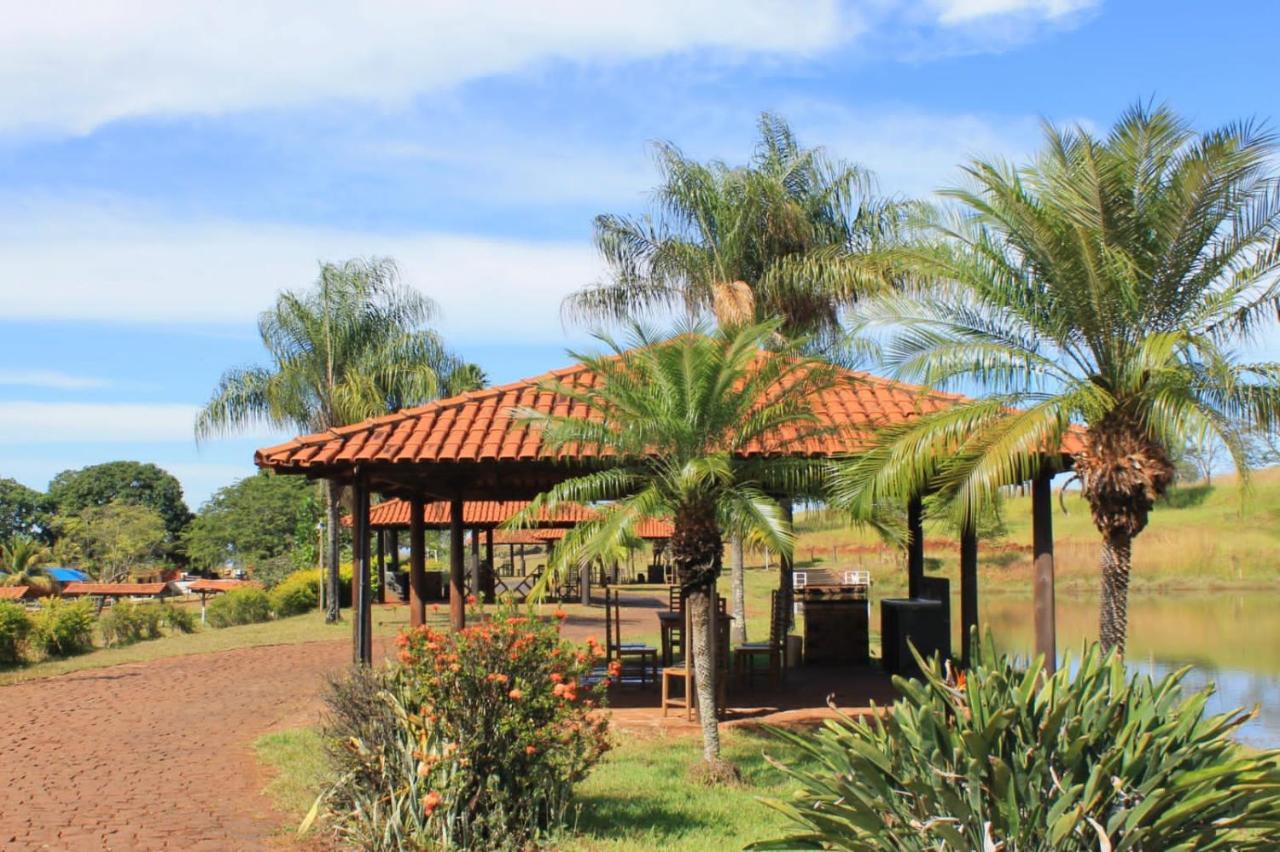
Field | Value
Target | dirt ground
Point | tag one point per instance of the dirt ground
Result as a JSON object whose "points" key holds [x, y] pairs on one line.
{"points": [[159, 755]]}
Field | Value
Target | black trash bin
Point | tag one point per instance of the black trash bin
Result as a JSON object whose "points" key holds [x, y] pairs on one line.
{"points": [[911, 621]]}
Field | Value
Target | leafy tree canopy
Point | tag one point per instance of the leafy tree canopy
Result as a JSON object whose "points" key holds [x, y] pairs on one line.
{"points": [[134, 483], [23, 511], [256, 519], [114, 539]]}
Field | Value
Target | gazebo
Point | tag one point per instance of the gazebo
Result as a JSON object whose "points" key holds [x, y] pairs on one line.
{"points": [[470, 448]]}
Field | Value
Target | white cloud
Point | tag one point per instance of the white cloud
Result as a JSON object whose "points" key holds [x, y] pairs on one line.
{"points": [[82, 422], [78, 65], [50, 379], [94, 263], [952, 12]]}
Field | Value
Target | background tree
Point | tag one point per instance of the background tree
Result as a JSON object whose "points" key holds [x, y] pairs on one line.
{"points": [[130, 482], [1105, 283], [259, 518], [677, 415], [23, 511], [463, 378], [792, 235], [115, 539], [355, 345], [23, 560]]}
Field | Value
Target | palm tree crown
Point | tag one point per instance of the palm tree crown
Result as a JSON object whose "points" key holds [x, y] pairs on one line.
{"points": [[682, 419], [1105, 283], [23, 559]]}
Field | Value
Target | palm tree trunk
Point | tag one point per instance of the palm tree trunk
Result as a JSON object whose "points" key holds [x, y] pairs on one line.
{"points": [[737, 580], [1114, 617], [332, 583], [704, 671]]}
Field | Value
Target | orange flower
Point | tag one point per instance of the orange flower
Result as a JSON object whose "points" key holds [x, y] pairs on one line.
{"points": [[497, 677], [556, 677], [615, 668], [430, 802], [401, 640], [471, 600], [515, 694], [530, 750], [560, 615]]}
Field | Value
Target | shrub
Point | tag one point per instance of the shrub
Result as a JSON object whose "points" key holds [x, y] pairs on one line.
{"points": [[245, 605], [63, 628], [1010, 759], [15, 626], [129, 621], [296, 594], [179, 619], [472, 740]]}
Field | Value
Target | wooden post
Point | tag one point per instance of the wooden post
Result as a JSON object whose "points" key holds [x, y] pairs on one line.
{"points": [[1042, 547], [584, 583], [786, 572], [417, 564], [968, 588], [915, 546], [393, 544], [457, 576], [382, 565], [489, 585], [362, 640]]}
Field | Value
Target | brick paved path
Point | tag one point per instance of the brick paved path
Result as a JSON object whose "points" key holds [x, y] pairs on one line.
{"points": [[154, 755]]}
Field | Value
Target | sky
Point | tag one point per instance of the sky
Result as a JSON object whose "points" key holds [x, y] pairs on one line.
{"points": [[166, 169]]}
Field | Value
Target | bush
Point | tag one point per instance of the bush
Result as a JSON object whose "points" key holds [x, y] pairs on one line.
{"points": [[63, 628], [130, 621], [296, 594], [179, 619], [245, 605], [15, 626], [472, 740], [1003, 759]]}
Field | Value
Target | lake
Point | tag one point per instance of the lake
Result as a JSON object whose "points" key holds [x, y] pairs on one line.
{"points": [[1231, 639]]}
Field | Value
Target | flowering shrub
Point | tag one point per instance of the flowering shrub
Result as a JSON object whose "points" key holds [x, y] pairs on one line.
{"points": [[492, 726]]}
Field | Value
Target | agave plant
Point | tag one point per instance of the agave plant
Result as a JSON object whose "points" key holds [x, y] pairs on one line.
{"points": [[1006, 757]]}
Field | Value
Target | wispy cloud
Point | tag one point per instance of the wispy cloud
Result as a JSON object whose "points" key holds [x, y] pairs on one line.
{"points": [[26, 422], [50, 380]]}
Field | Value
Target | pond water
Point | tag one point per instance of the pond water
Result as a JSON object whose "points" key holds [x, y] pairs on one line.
{"points": [[1230, 639]]}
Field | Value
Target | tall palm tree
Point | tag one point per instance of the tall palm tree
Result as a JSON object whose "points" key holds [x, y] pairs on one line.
{"points": [[353, 346], [689, 421], [1105, 283], [792, 234], [22, 559]]}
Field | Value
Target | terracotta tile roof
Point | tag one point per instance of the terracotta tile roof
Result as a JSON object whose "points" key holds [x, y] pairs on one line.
{"points": [[475, 513], [478, 426], [13, 593], [505, 537], [117, 590], [203, 585], [651, 529]]}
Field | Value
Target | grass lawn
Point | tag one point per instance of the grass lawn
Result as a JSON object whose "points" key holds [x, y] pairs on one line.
{"points": [[638, 798]]}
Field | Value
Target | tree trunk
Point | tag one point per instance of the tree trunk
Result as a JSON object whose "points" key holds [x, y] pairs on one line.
{"points": [[332, 612], [704, 670], [1114, 617], [737, 580]]}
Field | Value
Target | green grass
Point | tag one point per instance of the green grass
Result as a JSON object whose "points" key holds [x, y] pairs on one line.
{"points": [[639, 798]]}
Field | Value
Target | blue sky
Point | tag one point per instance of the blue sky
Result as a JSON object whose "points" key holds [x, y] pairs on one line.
{"points": [[165, 170]]}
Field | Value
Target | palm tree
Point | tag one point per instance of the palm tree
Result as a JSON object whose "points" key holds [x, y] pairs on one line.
{"points": [[689, 421], [1104, 284], [23, 561], [793, 234], [353, 346]]}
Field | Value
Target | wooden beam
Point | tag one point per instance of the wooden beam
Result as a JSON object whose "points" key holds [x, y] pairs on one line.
{"points": [[381, 536], [477, 570], [1042, 547], [417, 564], [915, 546], [786, 569], [968, 588], [393, 544], [457, 575], [490, 569], [362, 640]]}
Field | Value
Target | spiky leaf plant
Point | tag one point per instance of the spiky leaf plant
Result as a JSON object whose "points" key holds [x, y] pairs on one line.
{"points": [[1008, 758]]}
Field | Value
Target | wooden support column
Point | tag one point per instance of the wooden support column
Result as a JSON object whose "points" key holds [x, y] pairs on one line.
{"points": [[417, 564], [1042, 547], [490, 584], [393, 544], [382, 565], [457, 569], [915, 546], [476, 569], [362, 650], [786, 570], [584, 583], [968, 588]]}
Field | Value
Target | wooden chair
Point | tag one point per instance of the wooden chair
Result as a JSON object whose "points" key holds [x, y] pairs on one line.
{"points": [[616, 649], [683, 670], [774, 651]]}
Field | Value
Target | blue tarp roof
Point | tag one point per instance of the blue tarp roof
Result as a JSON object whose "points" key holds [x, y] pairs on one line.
{"points": [[68, 575]]}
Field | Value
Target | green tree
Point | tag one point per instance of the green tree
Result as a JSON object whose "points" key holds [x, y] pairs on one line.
{"points": [[116, 538], [23, 511], [685, 419], [463, 378], [1104, 283], [792, 234], [23, 560], [259, 518], [135, 483], [353, 346]]}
